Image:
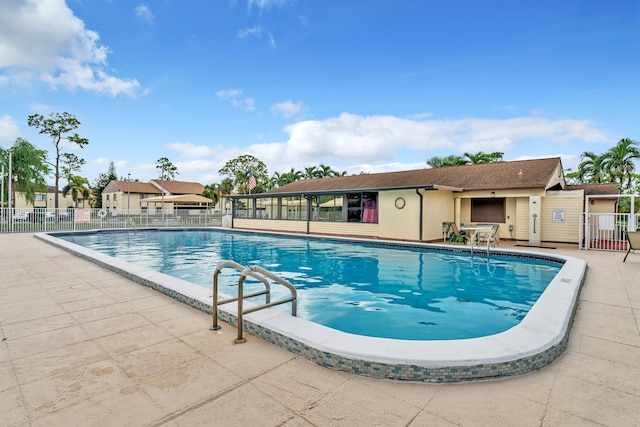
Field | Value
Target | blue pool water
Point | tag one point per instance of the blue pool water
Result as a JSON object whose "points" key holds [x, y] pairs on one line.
{"points": [[367, 289]]}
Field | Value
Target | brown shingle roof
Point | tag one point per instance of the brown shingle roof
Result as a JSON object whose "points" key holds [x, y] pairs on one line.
{"points": [[590, 189], [534, 174], [180, 187], [132, 187]]}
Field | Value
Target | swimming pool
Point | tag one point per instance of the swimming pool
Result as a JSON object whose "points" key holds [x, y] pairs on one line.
{"points": [[383, 291], [539, 338]]}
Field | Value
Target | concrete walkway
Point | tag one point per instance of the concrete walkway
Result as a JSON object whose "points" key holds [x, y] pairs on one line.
{"points": [[82, 346]]}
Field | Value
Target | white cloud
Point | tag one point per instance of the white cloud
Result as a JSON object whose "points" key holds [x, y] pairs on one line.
{"points": [[235, 97], [143, 12], [246, 33], [8, 131], [42, 40], [101, 161], [190, 151], [353, 139], [288, 108], [257, 32], [266, 4]]}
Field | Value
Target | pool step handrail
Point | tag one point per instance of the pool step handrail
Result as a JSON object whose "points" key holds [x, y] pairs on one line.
{"points": [[217, 302], [258, 273]]}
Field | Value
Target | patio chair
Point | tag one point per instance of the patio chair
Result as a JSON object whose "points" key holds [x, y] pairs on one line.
{"points": [[490, 237], [456, 234], [633, 237]]}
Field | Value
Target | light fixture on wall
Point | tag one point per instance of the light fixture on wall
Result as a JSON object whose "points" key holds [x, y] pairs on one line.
{"points": [[493, 194]]}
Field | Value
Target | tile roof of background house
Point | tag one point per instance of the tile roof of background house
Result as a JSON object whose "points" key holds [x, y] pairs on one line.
{"points": [[180, 187], [132, 187], [535, 174]]}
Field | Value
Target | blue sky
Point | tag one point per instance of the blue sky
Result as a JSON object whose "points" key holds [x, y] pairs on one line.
{"points": [[372, 85]]}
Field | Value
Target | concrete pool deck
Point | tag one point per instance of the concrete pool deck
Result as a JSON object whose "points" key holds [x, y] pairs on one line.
{"points": [[85, 346]]}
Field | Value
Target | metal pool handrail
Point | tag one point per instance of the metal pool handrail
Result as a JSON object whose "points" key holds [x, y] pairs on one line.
{"points": [[258, 273]]}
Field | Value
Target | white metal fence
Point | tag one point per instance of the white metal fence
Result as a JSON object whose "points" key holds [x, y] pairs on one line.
{"points": [[605, 231], [37, 220]]}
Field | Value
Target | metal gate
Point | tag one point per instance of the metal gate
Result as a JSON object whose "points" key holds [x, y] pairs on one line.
{"points": [[606, 231]]}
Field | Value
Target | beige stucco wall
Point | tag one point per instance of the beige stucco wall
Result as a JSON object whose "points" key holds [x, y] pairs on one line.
{"points": [[516, 210], [521, 227], [602, 206], [397, 223], [438, 208], [567, 202], [271, 225], [63, 202], [123, 199]]}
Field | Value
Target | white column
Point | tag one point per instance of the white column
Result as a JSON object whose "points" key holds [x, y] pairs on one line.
{"points": [[535, 220]]}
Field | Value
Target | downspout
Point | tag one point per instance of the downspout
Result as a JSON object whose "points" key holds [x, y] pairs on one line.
{"points": [[233, 209], [421, 211], [309, 210]]}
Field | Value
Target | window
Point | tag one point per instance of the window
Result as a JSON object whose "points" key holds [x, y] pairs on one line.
{"points": [[488, 210], [294, 207], [244, 208], [267, 208], [39, 197], [328, 207]]}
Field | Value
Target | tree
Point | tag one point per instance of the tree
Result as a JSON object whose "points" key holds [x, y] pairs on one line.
{"points": [[435, 162], [77, 185], [481, 157], [29, 169], [59, 126], [592, 169], [100, 184], [311, 172], [212, 191], [620, 162], [238, 170], [168, 170], [73, 163], [441, 162]]}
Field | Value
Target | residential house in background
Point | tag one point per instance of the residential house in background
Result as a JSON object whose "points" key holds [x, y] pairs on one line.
{"points": [[149, 196], [46, 200]]}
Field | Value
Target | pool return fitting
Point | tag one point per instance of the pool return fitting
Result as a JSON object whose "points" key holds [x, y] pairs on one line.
{"points": [[257, 273]]}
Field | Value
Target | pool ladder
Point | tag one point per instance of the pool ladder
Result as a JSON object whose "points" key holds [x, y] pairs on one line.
{"points": [[257, 273]]}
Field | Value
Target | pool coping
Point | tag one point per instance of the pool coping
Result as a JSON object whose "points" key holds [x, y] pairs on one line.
{"points": [[540, 338]]}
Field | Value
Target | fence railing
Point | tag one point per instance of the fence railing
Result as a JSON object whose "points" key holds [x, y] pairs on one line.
{"points": [[605, 231], [16, 220]]}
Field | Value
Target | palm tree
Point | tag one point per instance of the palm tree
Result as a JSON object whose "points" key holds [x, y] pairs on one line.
{"points": [[453, 160], [29, 169], [620, 162], [481, 157], [325, 171], [289, 177], [212, 191], [310, 172], [77, 185], [592, 168], [441, 162]]}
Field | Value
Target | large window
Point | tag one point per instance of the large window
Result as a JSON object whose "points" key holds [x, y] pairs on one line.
{"points": [[488, 210], [244, 208], [328, 208], [266, 208], [294, 207], [352, 207]]}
